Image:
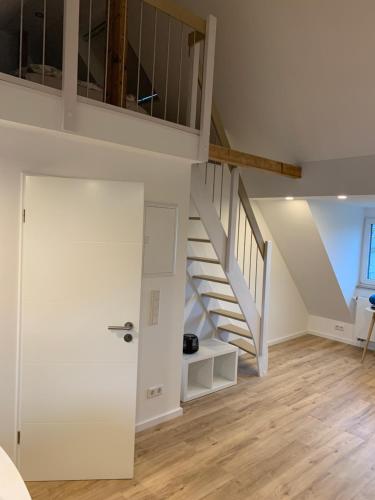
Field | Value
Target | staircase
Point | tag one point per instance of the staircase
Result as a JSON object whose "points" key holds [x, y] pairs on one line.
{"points": [[228, 264]]}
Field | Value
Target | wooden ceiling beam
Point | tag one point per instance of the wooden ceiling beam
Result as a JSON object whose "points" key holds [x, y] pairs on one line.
{"points": [[230, 156], [178, 12]]}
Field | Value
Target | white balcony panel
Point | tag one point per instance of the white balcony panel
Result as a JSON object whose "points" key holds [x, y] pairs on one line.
{"points": [[31, 104]]}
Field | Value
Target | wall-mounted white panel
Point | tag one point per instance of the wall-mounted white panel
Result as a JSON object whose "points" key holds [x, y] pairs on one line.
{"points": [[34, 105], [160, 239]]}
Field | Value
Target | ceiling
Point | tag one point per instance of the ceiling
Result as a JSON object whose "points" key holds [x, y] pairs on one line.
{"points": [[358, 201], [295, 80]]}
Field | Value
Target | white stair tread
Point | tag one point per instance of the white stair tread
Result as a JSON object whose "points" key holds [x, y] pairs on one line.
{"points": [[215, 279], [228, 314], [207, 260], [199, 240], [244, 346], [220, 296], [237, 330]]}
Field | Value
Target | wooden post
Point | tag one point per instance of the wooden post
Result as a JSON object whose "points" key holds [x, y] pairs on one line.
{"points": [[232, 220], [117, 52], [70, 64], [207, 89], [264, 322]]}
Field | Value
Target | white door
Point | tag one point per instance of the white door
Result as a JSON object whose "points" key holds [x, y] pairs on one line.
{"points": [[81, 273]]}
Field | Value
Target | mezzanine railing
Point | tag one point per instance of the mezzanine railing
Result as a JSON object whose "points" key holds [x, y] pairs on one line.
{"points": [[142, 55]]}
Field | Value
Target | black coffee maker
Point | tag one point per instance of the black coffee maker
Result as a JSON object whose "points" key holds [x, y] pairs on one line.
{"points": [[191, 343]]}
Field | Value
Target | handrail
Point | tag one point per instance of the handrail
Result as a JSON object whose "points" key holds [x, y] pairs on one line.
{"points": [[250, 216], [216, 120], [180, 13]]}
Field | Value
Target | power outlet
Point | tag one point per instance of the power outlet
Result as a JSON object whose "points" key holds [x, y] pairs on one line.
{"points": [[154, 392], [339, 328]]}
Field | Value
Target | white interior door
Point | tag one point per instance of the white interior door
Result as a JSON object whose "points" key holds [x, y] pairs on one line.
{"points": [[81, 272]]}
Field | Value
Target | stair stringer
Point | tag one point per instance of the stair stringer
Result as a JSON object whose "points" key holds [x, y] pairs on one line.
{"points": [[219, 241]]}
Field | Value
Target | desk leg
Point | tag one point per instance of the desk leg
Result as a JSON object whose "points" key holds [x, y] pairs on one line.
{"points": [[368, 336]]}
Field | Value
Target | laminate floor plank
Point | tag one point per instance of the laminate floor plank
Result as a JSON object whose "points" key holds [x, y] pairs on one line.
{"points": [[305, 431]]}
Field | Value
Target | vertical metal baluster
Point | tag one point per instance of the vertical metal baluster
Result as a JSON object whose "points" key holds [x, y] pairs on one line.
{"points": [[221, 188], [89, 51], [238, 228], [167, 72], [251, 256], [244, 249], [21, 41], [192, 70], [256, 275], [106, 53], [200, 89], [153, 64], [139, 51], [180, 74], [213, 185], [44, 40], [123, 64]]}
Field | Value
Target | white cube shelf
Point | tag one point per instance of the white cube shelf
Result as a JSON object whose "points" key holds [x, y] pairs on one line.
{"points": [[212, 368]]}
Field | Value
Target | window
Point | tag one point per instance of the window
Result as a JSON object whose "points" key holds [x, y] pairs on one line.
{"points": [[368, 253]]}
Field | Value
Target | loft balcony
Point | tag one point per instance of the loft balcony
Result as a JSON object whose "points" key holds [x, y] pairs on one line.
{"points": [[134, 72]]}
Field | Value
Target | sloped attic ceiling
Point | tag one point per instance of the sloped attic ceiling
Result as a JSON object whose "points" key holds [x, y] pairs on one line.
{"points": [[313, 259], [295, 79]]}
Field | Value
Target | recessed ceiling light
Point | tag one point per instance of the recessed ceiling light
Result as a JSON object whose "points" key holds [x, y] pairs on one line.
{"points": [[289, 198], [342, 197]]}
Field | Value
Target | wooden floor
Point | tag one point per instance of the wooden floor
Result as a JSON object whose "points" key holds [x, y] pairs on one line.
{"points": [[306, 431]]}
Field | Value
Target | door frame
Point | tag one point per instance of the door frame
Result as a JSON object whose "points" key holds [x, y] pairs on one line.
{"points": [[18, 388]]}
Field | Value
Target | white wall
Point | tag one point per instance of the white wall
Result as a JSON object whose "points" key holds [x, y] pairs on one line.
{"points": [[341, 227], [288, 313], [300, 243], [351, 176], [327, 328], [292, 79], [167, 179]]}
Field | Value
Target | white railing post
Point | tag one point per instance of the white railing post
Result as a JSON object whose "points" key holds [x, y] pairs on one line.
{"points": [[70, 64], [264, 322], [232, 220], [207, 88], [193, 98]]}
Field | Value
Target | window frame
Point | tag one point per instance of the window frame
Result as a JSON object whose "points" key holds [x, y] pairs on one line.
{"points": [[365, 257]]}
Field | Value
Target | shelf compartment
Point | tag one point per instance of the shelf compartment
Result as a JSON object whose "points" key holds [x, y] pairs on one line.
{"points": [[199, 378], [212, 368], [225, 370]]}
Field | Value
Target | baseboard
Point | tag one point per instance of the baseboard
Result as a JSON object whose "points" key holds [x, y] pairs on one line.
{"points": [[164, 417], [333, 337], [292, 336]]}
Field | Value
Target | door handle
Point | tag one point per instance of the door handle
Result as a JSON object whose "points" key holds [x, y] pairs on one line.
{"points": [[128, 326]]}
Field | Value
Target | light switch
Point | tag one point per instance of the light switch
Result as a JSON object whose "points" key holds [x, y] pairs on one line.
{"points": [[154, 307]]}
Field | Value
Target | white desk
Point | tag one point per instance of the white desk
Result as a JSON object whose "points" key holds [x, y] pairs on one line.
{"points": [[12, 486], [372, 323]]}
